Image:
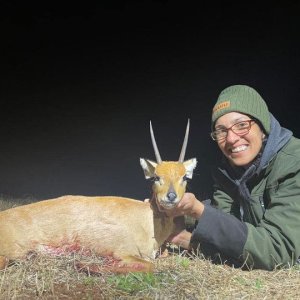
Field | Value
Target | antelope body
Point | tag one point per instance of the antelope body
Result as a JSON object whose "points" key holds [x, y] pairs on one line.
{"points": [[128, 231]]}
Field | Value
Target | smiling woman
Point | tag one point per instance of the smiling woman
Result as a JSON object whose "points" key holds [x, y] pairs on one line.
{"points": [[253, 217], [241, 142]]}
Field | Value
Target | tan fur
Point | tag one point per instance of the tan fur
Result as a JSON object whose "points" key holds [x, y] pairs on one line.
{"points": [[128, 230]]}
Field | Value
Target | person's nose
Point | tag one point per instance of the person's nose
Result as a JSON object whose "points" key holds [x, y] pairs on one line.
{"points": [[231, 137]]}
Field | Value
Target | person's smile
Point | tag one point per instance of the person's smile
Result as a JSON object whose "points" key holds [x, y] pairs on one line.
{"points": [[240, 150]]}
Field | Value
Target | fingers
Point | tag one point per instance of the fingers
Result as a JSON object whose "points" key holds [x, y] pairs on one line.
{"points": [[186, 206], [181, 239], [187, 202], [190, 205]]}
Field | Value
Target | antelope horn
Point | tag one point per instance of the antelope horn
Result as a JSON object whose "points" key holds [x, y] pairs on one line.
{"points": [[157, 155], [182, 154]]}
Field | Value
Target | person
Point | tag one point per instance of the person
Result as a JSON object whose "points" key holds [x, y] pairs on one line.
{"points": [[253, 217]]}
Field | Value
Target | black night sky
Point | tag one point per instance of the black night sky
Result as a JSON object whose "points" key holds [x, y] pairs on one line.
{"points": [[80, 83]]}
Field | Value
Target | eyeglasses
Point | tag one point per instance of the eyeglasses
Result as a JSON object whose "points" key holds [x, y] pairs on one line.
{"points": [[240, 129]]}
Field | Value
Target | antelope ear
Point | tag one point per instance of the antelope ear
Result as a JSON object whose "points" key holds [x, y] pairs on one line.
{"points": [[148, 167], [190, 165]]}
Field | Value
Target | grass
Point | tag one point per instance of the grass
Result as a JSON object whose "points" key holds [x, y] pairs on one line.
{"points": [[179, 276], [56, 278]]}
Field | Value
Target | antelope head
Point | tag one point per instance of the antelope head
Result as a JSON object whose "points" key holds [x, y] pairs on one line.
{"points": [[170, 177]]}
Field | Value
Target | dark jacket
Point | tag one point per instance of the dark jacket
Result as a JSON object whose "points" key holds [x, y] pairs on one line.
{"points": [[254, 218]]}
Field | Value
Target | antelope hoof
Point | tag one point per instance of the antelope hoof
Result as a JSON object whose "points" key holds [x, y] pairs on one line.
{"points": [[3, 262]]}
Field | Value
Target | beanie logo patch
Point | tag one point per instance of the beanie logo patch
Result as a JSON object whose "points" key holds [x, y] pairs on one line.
{"points": [[221, 106]]}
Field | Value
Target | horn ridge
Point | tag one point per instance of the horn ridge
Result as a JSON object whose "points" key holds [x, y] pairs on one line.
{"points": [[185, 141], [157, 155]]}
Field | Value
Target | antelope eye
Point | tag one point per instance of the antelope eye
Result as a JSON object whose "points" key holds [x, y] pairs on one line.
{"points": [[156, 178], [185, 178]]}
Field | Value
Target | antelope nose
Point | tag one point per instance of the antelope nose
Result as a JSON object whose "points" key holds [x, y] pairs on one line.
{"points": [[171, 196]]}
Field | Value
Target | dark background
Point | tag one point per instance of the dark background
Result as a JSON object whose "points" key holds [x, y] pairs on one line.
{"points": [[80, 83]]}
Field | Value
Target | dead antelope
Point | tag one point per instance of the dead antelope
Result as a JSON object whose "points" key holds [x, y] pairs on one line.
{"points": [[126, 231]]}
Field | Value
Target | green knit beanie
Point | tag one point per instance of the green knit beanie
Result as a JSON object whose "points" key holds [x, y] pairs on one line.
{"points": [[243, 99]]}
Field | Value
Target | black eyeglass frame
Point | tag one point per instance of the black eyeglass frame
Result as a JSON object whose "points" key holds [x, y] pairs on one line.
{"points": [[213, 136]]}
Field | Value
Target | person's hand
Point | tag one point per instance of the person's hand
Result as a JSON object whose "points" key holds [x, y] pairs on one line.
{"points": [[189, 205], [181, 239]]}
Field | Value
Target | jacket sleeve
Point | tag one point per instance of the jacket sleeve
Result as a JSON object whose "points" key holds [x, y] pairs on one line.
{"points": [[276, 240], [221, 235], [219, 232]]}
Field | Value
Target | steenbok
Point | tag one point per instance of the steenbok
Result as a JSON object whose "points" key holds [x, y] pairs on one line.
{"points": [[127, 232]]}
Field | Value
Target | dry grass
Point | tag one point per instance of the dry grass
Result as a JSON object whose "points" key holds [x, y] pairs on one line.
{"points": [[176, 277], [9, 203], [180, 276]]}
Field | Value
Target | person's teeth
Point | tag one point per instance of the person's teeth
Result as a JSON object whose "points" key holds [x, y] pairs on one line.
{"points": [[239, 149]]}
